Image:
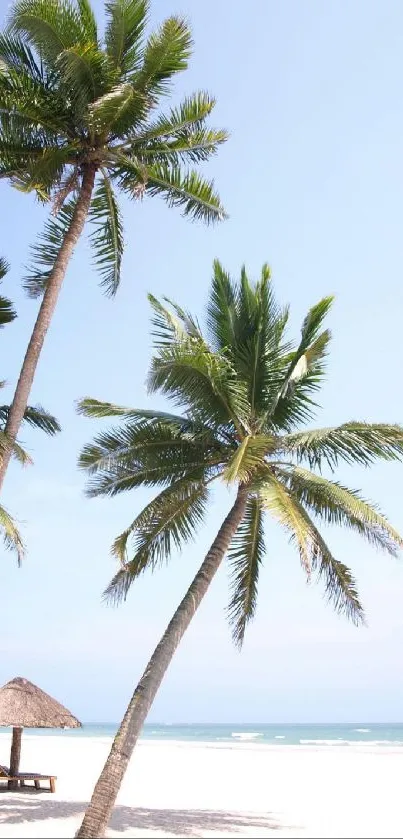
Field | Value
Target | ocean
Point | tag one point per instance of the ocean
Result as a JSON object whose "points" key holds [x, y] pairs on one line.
{"points": [[340, 734]]}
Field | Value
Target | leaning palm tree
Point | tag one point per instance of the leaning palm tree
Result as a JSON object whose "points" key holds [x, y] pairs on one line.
{"points": [[79, 116], [34, 416], [244, 391]]}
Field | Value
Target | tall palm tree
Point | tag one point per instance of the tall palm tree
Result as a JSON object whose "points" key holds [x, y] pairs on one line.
{"points": [[243, 392], [78, 117], [34, 416]]}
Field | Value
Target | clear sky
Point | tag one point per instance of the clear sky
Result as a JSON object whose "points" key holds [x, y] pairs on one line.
{"points": [[313, 181]]}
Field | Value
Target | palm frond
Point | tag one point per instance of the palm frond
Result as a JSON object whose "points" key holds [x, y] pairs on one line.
{"points": [[39, 418], [44, 172], [340, 585], [284, 508], [107, 238], [222, 309], [195, 147], [352, 442], [36, 417], [147, 453], [85, 72], [245, 557], [48, 26], [201, 382], [166, 53], [89, 407], [7, 311], [164, 525], [46, 250], [337, 505], [169, 327], [189, 116], [88, 20], [248, 458], [4, 268], [126, 21], [16, 450], [190, 191], [304, 371], [11, 536], [123, 105]]}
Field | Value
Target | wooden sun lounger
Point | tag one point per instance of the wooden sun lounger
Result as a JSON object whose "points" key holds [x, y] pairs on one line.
{"points": [[23, 777]]}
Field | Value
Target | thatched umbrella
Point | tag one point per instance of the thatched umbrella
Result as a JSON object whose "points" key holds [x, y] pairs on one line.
{"points": [[23, 705]]}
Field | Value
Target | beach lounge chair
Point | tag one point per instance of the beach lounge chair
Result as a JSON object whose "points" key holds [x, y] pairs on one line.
{"points": [[22, 777]]}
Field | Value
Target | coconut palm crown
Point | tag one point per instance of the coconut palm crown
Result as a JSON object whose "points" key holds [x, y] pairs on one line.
{"points": [[245, 391], [73, 102]]}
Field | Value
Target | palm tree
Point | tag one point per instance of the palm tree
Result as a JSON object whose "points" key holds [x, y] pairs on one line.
{"points": [[243, 394], [34, 416], [78, 117]]}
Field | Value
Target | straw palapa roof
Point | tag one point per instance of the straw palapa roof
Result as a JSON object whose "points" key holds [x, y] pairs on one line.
{"points": [[24, 704]]}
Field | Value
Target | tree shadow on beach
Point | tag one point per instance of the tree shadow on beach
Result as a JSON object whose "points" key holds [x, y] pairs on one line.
{"points": [[30, 806]]}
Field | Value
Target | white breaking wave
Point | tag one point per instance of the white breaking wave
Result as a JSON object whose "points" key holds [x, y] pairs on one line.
{"points": [[341, 742], [246, 735], [363, 730], [280, 737]]}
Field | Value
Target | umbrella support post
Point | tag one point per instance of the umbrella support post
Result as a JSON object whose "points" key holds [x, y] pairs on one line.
{"points": [[15, 756]]}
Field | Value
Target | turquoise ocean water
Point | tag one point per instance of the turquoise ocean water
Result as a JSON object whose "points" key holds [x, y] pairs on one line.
{"points": [[371, 734]]}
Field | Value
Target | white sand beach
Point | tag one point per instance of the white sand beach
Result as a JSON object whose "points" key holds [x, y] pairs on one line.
{"points": [[181, 790]]}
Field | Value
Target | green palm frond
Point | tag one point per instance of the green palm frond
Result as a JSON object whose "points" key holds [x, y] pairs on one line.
{"points": [[171, 519], [166, 53], [88, 20], [16, 450], [201, 382], [248, 458], [39, 418], [283, 507], [188, 117], [126, 21], [15, 55], [46, 250], [352, 442], [11, 536], [7, 311], [337, 505], [107, 239], [94, 408], [48, 26], [44, 172], [222, 315], [245, 557], [147, 453], [305, 369], [169, 327], [36, 417], [340, 585], [85, 72], [190, 191], [121, 107], [195, 147]]}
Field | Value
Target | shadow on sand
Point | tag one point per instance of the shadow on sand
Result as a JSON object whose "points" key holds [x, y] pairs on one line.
{"points": [[29, 807]]}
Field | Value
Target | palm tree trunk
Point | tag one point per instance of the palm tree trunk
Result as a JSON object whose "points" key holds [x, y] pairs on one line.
{"points": [[107, 787], [45, 314]]}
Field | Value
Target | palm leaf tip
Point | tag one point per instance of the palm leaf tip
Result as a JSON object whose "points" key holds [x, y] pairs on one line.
{"points": [[11, 536]]}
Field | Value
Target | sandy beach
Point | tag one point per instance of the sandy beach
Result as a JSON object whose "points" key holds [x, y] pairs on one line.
{"points": [[191, 790]]}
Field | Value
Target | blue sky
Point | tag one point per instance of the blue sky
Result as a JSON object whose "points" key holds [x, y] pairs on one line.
{"points": [[313, 181]]}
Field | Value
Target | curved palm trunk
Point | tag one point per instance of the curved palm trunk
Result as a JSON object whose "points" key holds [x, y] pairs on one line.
{"points": [[45, 314], [107, 787]]}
